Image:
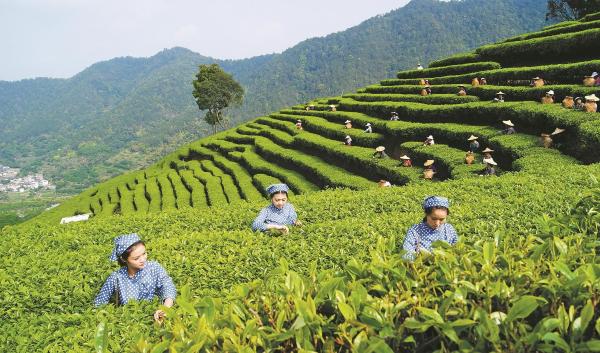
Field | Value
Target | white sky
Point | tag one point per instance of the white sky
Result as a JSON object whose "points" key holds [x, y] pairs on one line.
{"points": [[58, 38]]}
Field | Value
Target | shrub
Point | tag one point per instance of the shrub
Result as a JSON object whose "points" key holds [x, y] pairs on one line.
{"points": [[166, 192], [182, 194], [574, 27], [139, 198], [449, 70], [153, 194], [430, 99], [457, 59], [198, 195]]}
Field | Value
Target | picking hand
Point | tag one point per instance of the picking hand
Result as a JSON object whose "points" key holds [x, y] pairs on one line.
{"points": [[159, 316]]}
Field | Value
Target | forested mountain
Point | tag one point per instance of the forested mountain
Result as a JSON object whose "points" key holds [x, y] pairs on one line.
{"points": [[124, 113]]}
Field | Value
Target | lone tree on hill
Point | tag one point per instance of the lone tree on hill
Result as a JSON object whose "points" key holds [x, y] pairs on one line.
{"points": [[214, 91], [571, 9]]}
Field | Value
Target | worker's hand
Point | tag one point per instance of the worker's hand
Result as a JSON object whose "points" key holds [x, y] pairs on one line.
{"points": [[284, 229], [298, 223], [159, 316]]}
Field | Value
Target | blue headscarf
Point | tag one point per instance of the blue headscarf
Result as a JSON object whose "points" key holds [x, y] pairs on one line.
{"points": [[433, 201], [122, 242], [275, 188]]}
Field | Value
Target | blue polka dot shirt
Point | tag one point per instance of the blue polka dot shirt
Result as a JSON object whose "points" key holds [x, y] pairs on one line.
{"points": [[146, 283], [273, 215], [421, 236]]}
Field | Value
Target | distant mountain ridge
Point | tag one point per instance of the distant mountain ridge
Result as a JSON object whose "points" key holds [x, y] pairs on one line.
{"points": [[125, 113]]}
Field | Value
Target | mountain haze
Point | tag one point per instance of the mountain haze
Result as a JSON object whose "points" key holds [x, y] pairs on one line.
{"points": [[125, 113]]}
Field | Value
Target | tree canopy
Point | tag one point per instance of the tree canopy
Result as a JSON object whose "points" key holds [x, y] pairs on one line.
{"points": [[571, 9], [214, 91]]}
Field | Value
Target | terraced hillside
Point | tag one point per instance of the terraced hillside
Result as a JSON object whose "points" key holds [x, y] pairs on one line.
{"points": [[237, 164], [524, 276]]}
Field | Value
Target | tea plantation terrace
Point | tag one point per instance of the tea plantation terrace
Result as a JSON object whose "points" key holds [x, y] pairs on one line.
{"points": [[237, 164], [524, 276]]}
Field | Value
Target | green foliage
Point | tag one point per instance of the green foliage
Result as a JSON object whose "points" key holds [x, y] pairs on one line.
{"points": [[569, 46], [141, 104], [449, 70], [572, 9], [457, 59], [430, 99], [214, 91], [568, 28], [556, 74]]}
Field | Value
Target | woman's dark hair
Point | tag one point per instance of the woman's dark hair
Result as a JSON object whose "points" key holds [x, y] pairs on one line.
{"points": [[278, 192], [122, 259], [429, 210]]}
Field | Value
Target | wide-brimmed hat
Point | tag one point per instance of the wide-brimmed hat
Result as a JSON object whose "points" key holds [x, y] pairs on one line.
{"points": [[430, 137], [576, 98], [347, 137], [394, 113], [380, 149], [472, 138], [368, 124], [347, 122], [544, 135], [433, 201], [592, 98], [428, 162], [594, 74], [537, 78], [558, 131], [275, 188], [500, 93], [122, 243], [550, 93], [487, 150], [405, 157], [508, 122], [331, 106], [489, 161], [299, 121]]}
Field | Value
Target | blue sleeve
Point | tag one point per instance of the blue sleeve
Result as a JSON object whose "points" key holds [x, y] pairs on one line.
{"points": [[259, 221], [451, 235], [107, 290], [292, 216], [410, 244], [166, 287]]}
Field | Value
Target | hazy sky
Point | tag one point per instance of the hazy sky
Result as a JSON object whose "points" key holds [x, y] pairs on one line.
{"points": [[58, 38]]}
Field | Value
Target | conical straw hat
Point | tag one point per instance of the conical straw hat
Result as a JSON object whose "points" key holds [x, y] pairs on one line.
{"points": [[428, 162]]}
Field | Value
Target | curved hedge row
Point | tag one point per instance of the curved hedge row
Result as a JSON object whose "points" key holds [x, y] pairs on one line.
{"points": [[558, 73], [335, 131], [412, 96], [457, 59], [575, 27], [214, 191], [153, 193], [198, 194], [487, 92], [449, 70], [227, 182], [569, 46], [182, 194]]}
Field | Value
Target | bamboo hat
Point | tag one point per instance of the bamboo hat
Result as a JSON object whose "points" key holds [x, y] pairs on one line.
{"points": [[557, 131], [487, 150], [428, 162], [594, 74], [380, 149], [430, 137], [347, 122], [537, 78], [545, 135], [348, 137], [592, 98], [299, 121], [550, 93], [500, 93], [472, 138], [368, 124], [508, 122], [405, 157]]}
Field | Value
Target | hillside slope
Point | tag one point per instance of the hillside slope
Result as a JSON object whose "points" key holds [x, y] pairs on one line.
{"points": [[524, 276], [124, 113]]}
